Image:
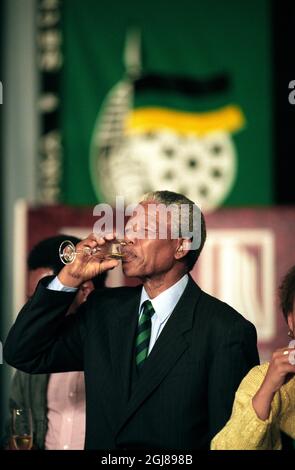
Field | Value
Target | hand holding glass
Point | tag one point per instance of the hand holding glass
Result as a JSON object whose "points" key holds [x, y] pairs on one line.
{"points": [[22, 429], [111, 249]]}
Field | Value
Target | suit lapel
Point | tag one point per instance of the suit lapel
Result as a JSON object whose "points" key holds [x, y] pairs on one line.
{"points": [[123, 330], [170, 345]]}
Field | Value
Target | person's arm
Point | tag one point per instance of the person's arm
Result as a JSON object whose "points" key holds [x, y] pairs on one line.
{"points": [[276, 375], [234, 355], [279, 378], [245, 430], [264, 405], [43, 339]]}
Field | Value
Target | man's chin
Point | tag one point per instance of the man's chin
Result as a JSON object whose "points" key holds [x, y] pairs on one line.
{"points": [[130, 270]]}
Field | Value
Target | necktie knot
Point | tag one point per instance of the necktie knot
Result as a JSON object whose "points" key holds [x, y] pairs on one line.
{"points": [[147, 308]]}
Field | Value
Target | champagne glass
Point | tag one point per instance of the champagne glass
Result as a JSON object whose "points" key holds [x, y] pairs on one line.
{"points": [[111, 249], [22, 429]]}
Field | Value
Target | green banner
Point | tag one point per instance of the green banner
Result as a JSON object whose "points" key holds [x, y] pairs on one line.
{"points": [[185, 106]]}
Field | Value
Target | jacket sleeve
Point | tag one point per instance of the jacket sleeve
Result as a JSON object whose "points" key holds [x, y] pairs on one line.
{"points": [[244, 430], [43, 339], [234, 355]]}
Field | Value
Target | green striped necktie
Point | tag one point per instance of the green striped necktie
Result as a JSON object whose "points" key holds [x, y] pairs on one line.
{"points": [[143, 333]]}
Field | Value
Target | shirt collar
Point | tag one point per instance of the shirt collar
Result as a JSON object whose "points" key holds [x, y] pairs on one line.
{"points": [[165, 302]]}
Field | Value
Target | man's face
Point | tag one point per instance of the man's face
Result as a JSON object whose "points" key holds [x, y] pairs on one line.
{"points": [[149, 256], [34, 277]]}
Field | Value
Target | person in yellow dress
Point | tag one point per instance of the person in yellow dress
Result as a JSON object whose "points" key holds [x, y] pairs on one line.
{"points": [[265, 400]]}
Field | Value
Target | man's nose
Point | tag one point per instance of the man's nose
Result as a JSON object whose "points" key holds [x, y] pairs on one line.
{"points": [[129, 238], [129, 234]]}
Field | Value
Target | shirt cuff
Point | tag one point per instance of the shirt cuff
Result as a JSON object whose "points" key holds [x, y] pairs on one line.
{"points": [[55, 284]]}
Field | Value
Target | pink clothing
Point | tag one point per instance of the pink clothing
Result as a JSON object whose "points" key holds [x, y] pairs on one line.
{"points": [[66, 411]]}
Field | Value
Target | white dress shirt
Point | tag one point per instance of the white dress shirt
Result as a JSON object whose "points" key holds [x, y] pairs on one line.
{"points": [[163, 304], [55, 284]]}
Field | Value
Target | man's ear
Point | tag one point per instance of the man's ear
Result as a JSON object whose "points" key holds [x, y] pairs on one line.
{"points": [[182, 248]]}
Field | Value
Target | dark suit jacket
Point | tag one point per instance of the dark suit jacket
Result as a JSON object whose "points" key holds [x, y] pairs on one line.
{"points": [[185, 392]]}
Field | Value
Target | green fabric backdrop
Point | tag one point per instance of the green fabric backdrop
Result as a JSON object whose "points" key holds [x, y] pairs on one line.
{"points": [[191, 38]]}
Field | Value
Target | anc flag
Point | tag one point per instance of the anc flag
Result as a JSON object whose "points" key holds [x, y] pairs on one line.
{"points": [[180, 107], [141, 145]]}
